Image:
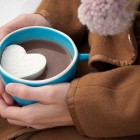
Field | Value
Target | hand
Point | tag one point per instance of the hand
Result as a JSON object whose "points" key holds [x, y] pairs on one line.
{"points": [[50, 111], [19, 22], [23, 21]]}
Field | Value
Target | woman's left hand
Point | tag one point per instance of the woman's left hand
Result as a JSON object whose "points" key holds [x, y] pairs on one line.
{"points": [[50, 111]]}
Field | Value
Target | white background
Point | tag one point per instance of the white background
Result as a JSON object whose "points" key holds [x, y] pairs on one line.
{"points": [[9, 9]]}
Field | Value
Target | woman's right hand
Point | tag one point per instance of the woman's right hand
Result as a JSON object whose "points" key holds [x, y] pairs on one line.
{"points": [[21, 21]]}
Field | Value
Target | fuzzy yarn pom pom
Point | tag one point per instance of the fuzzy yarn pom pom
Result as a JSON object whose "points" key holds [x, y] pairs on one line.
{"points": [[105, 17]]}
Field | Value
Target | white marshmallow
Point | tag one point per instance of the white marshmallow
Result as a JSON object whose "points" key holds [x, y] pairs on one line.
{"points": [[18, 63]]}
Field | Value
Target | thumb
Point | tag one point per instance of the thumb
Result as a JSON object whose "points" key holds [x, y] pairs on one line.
{"points": [[26, 92]]}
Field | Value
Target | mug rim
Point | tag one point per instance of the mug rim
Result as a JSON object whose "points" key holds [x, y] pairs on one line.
{"points": [[74, 59]]}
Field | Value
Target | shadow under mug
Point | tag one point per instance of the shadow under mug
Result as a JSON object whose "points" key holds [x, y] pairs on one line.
{"points": [[41, 33]]}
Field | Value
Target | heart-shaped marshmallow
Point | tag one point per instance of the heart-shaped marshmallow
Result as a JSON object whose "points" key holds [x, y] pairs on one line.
{"points": [[18, 63]]}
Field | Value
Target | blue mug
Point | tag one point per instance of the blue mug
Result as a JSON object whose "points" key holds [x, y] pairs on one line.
{"points": [[41, 33]]}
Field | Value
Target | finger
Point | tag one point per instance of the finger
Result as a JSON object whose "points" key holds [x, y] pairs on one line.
{"points": [[13, 25], [45, 94], [27, 93], [4, 30], [9, 112], [19, 113], [3, 106], [8, 99], [1, 87], [15, 122]]}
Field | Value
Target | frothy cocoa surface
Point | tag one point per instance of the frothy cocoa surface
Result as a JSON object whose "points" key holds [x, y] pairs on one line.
{"points": [[58, 58]]}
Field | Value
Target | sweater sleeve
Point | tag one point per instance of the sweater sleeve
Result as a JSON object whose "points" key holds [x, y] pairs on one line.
{"points": [[107, 104], [62, 15]]}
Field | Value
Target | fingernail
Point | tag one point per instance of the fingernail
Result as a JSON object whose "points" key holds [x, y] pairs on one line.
{"points": [[10, 88]]}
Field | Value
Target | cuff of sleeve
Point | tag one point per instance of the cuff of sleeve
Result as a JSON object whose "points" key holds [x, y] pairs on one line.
{"points": [[42, 13], [41, 10], [117, 50], [71, 105]]}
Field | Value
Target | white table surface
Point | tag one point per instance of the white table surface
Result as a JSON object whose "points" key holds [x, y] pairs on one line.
{"points": [[9, 9]]}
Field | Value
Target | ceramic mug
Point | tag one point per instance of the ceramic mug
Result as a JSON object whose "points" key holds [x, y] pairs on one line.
{"points": [[41, 33]]}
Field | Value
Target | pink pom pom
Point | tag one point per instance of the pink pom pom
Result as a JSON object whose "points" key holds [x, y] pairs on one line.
{"points": [[106, 17]]}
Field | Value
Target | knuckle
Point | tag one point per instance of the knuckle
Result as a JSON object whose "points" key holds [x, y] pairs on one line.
{"points": [[30, 121], [25, 93], [23, 16], [18, 90], [21, 92]]}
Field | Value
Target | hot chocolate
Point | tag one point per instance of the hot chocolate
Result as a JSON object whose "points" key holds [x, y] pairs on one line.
{"points": [[58, 58]]}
